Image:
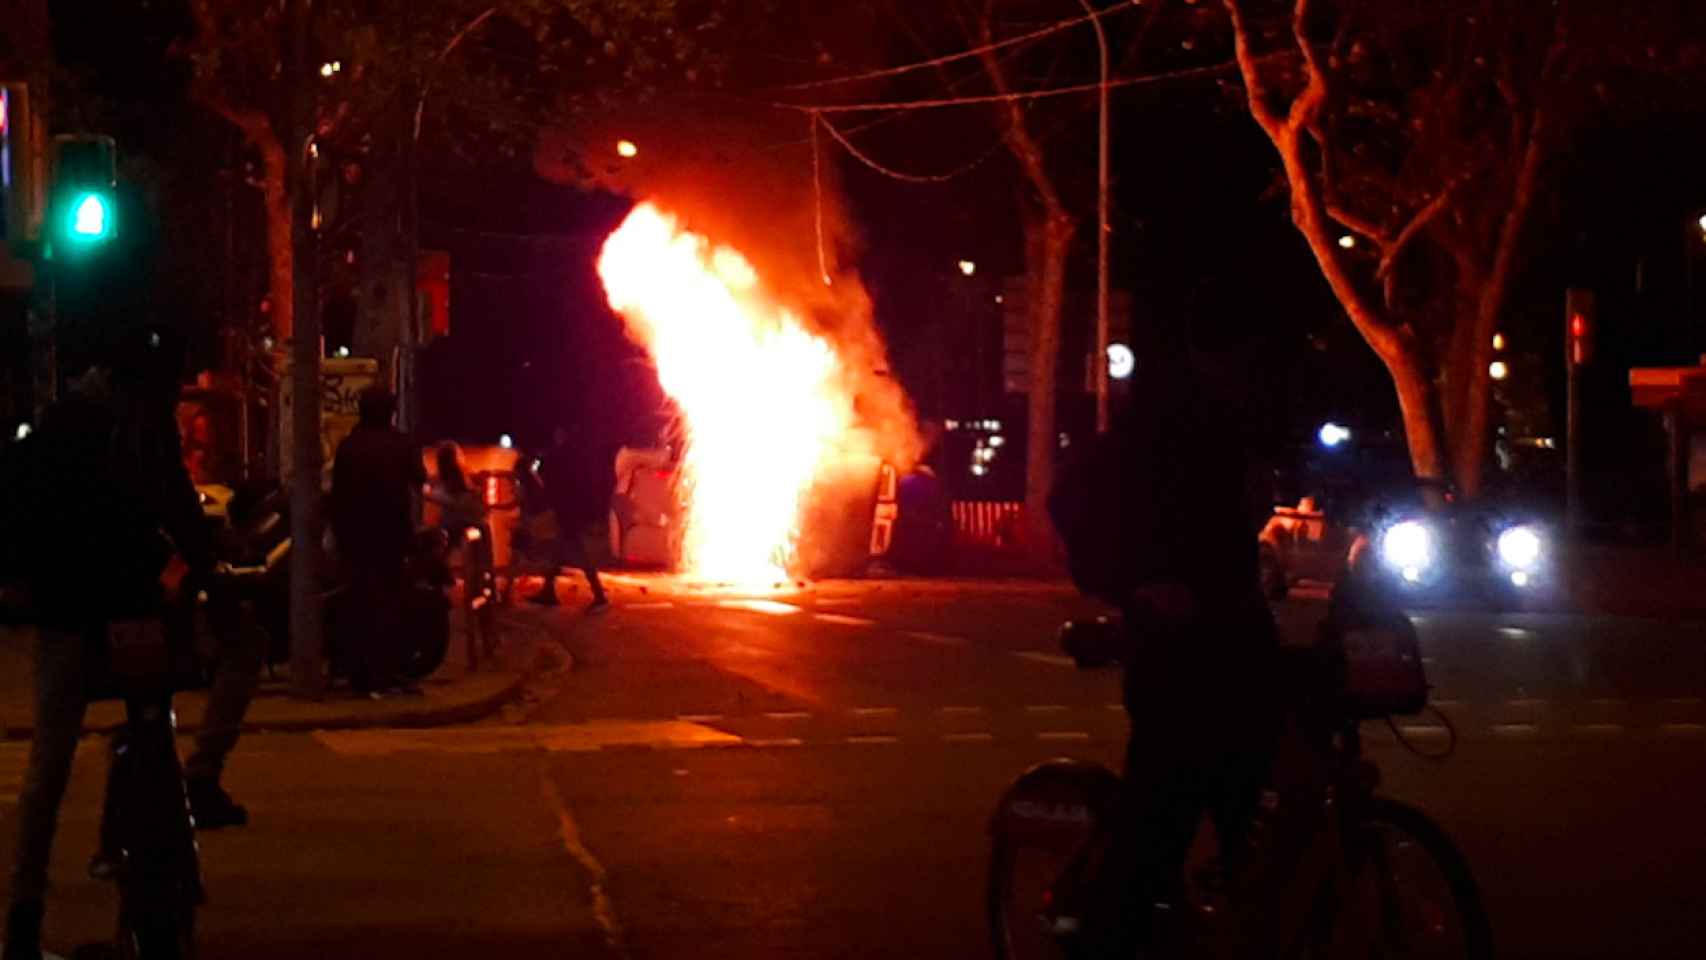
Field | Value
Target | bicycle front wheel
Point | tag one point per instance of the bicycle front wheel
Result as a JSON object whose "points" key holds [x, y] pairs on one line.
{"points": [[1043, 833], [1407, 893]]}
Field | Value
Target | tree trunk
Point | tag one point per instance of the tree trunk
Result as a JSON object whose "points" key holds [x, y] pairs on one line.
{"points": [[1419, 405], [307, 644], [1048, 239], [281, 255], [1048, 243], [1470, 448]]}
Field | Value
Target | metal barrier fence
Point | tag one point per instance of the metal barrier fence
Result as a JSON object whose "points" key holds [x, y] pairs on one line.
{"points": [[988, 523]]}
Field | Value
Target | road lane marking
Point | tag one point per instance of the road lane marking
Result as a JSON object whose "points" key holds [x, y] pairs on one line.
{"points": [[597, 735], [1045, 708], [1609, 701], [1424, 729], [1600, 729], [936, 638], [603, 909], [1685, 701], [843, 620], [774, 608], [1515, 729], [787, 715], [1062, 736], [1523, 702], [650, 605], [1682, 729], [775, 742], [873, 739], [874, 711], [1447, 702], [700, 717], [968, 737], [1052, 659], [1516, 633], [961, 710], [1117, 707], [554, 738]]}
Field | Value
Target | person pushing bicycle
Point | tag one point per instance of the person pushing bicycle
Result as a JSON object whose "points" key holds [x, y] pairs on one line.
{"points": [[1159, 520]]}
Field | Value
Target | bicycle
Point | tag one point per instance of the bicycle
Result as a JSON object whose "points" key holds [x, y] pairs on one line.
{"points": [[1329, 868], [147, 845]]}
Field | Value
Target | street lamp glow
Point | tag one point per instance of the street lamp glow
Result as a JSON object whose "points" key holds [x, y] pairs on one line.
{"points": [[968, 267], [343, 353], [507, 442], [627, 149], [330, 67], [1347, 241], [23, 432], [1498, 370], [1121, 361], [1498, 341], [1702, 223], [1333, 434]]}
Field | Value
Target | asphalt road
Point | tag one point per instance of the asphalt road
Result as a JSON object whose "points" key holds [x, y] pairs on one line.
{"points": [[811, 778]]}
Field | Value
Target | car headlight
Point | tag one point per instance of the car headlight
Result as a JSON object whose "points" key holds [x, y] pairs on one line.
{"points": [[1408, 547], [1520, 547]]}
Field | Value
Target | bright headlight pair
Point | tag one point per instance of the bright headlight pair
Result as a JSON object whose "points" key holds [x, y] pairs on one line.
{"points": [[1410, 547]]}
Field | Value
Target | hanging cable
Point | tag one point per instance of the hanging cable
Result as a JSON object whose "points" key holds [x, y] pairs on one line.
{"points": [[964, 54], [886, 171], [1188, 73]]}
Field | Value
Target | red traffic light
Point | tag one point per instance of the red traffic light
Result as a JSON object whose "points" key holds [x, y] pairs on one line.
{"points": [[1578, 326]]}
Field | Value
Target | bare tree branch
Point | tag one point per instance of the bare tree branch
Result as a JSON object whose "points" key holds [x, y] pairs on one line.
{"points": [[1422, 218], [1255, 88], [1308, 208], [1306, 108]]}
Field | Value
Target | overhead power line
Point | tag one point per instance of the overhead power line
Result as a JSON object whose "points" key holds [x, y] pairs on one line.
{"points": [[1054, 28], [887, 171], [930, 104]]}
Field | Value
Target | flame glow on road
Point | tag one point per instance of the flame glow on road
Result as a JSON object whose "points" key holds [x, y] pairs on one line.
{"points": [[764, 408]]}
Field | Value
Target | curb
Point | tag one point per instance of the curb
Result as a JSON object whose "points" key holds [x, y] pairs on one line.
{"points": [[424, 716]]}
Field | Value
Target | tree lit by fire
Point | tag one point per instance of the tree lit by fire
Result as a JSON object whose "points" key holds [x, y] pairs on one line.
{"points": [[765, 407]]}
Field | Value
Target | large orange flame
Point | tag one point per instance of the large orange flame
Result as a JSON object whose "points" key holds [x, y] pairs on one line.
{"points": [[764, 406]]}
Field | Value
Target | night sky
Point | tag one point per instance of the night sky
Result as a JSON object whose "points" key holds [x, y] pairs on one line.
{"points": [[1201, 237]]}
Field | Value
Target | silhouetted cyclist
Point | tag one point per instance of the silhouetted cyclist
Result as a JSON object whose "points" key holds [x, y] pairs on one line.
{"points": [[107, 501], [1159, 521]]}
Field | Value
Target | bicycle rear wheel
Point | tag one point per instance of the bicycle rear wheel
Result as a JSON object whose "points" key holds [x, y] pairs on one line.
{"points": [[1409, 894], [1046, 826]]}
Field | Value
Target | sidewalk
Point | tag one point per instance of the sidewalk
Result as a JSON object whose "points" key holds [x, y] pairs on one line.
{"points": [[451, 695], [1649, 582]]}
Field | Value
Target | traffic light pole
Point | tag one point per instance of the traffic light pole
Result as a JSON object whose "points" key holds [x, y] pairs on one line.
{"points": [[1572, 448], [1579, 322]]}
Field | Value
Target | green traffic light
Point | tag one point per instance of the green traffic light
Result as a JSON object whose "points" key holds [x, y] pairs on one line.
{"points": [[91, 220]]}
